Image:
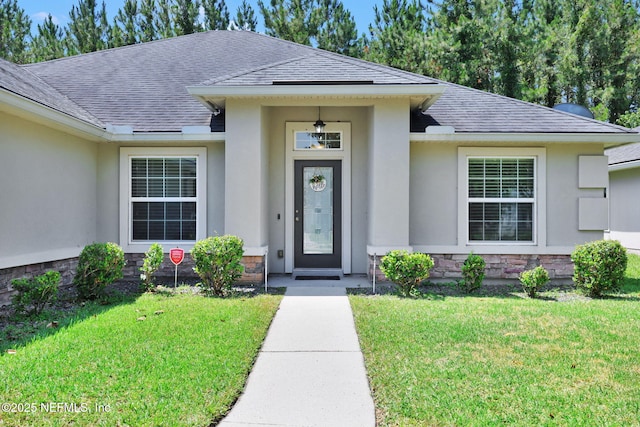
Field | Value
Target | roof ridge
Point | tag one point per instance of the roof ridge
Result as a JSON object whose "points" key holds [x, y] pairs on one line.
{"points": [[538, 106], [252, 70]]}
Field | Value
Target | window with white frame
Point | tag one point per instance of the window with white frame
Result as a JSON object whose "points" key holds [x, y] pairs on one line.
{"points": [[165, 189], [501, 199], [318, 141]]}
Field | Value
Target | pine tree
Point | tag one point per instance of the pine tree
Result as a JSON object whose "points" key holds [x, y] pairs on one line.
{"points": [[48, 44], [541, 67], [185, 16], [398, 36], [291, 20], [216, 14], [15, 29], [246, 17], [146, 21], [461, 42], [127, 21], [88, 29], [617, 57], [164, 20], [337, 31], [508, 47]]}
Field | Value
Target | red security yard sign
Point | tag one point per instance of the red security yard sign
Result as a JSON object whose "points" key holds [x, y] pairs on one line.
{"points": [[176, 255]]}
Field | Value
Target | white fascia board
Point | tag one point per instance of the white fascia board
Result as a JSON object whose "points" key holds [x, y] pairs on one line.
{"points": [[167, 137], [429, 91], [596, 138], [40, 113], [625, 165]]}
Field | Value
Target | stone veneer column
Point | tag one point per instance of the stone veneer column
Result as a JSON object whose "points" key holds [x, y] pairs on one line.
{"points": [[388, 226]]}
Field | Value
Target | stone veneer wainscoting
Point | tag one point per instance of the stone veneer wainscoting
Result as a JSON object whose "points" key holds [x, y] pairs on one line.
{"points": [[253, 271], [253, 268], [66, 268], [447, 267]]}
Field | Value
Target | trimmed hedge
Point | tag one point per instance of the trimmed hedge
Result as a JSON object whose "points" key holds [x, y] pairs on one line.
{"points": [[599, 267], [406, 270], [217, 262], [99, 265]]}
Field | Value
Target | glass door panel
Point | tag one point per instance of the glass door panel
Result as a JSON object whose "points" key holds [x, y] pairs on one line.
{"points": [[318, 210]]}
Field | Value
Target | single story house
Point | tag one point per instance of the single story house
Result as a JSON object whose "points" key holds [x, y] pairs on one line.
{"points": [[215, 133], [624, 195]]}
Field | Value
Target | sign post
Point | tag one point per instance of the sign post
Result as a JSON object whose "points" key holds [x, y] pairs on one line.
{"points": [[177, 256]]}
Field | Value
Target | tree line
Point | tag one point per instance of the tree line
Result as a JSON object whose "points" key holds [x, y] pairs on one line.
{"points": [[541, 51]]}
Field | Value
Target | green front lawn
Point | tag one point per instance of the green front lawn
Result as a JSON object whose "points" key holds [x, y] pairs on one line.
{"points": [[504, 360], [161, 360]]}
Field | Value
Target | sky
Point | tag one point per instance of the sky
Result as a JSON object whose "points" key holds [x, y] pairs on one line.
{"points": [[38, 10]]}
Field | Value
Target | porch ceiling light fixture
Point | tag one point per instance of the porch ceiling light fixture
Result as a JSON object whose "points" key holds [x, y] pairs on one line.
{"points": [[319, 124]]}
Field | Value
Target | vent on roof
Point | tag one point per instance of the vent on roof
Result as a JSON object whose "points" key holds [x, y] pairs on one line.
{"points": [[321, 82], [576, 109]]}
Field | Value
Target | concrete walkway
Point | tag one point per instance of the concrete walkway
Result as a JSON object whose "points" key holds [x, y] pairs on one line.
{"points": [[310, 371]]}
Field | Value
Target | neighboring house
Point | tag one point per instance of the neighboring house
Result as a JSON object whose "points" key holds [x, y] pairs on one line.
{"points": [[624, 195], [178, 139]]}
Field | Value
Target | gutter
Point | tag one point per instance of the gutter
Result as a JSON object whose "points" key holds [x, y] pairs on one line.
{"points": [[49, 116], [624, 166], [608, 139]]}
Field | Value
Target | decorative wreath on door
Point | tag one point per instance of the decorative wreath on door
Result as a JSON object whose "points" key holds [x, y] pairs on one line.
{"points": [[318, 182]]}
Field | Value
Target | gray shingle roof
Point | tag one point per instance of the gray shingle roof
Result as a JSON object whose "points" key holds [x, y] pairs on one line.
{"points": [[317, 66], [470, 110], [144, 85], [623, 154], [21, 82]]}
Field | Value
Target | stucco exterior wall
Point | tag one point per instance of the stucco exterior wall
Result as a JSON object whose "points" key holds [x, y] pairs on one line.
{"points": [[389, 177], [624, 199], [434, 199], [108, 197], [563, 194], [48, 194]]}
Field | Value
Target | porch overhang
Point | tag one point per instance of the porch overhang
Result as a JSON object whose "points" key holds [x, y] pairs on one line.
{"points": [[421, 96]]}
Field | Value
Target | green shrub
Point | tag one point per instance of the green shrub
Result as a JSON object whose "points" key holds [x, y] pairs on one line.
{"points": [[599, 267], [152, 261], [217, 262], [533, 280], [36, 292], [100, 264], [472, 273], [406, 270]]}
